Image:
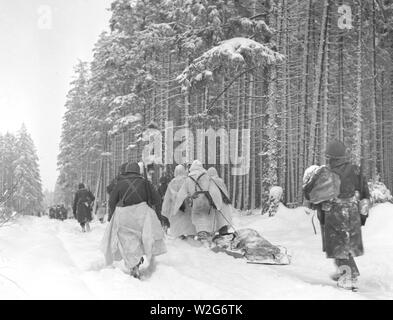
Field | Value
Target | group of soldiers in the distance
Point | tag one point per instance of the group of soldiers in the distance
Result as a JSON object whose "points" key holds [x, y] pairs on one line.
{"points": [[58, 212], [196, 203]]}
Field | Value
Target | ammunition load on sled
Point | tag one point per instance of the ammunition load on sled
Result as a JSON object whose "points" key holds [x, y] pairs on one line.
{"points": [[248, 244]]}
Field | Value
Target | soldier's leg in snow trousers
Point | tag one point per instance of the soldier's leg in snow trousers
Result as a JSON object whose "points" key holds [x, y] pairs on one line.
{"points": [[83, 226], [350, 262]]}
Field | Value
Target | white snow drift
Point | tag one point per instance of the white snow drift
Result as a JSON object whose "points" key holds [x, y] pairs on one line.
{"points": [[42, 258]]}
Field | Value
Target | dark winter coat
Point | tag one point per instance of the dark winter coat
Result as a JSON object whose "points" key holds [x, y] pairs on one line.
{"points": [[82, 205], [340, 218], [142, 191], [113, 183]]}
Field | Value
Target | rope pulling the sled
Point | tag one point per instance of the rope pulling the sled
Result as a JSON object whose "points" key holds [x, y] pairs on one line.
{"points": [[226, 219]]}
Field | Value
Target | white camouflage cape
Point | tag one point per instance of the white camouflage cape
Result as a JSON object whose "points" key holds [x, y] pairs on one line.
{"points": [[180, 221], [202, 216], [133, 232], [225, 216]]}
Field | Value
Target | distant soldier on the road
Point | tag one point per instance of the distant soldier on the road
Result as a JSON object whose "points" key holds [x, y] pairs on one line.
{"points": [[52, 213], [63, 212], [57, 212], [82, 207]]}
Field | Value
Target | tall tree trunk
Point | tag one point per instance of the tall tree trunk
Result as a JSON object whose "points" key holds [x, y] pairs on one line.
{"points": [[325, 113], [236, 146], [358, 110], [382, 129], [240, 193], [373, 141], [317, 84], [251, 125], [304, 95], [340, 81]]}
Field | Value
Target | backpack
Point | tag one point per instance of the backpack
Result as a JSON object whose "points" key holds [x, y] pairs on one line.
{"points": [[324, 186], [349, 175], [200, 191]]}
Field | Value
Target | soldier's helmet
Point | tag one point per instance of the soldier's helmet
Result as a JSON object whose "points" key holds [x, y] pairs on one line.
{"points": [[336, 150], [132, 167]]}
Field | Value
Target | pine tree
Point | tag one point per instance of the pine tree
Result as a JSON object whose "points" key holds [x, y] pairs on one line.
{"points": [[28, 197], [74, 145]]}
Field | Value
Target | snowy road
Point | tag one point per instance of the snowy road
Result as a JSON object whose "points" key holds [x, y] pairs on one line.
{"points": [[42, 258]]}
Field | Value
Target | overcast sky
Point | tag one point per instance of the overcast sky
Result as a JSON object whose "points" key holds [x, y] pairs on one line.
{"points": [[41, 41]]}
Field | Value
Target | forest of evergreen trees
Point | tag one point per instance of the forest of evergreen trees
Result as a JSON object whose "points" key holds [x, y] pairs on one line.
{"points": [[297, 73], [20, 181]]}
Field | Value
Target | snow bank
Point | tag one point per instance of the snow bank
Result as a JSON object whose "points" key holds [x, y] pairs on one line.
{"points": [[377, 263], [379, 192], [42, 258], [379, 228]]}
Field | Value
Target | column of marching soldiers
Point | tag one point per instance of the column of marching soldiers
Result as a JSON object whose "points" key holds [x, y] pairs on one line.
{"points": [[195, 205]]}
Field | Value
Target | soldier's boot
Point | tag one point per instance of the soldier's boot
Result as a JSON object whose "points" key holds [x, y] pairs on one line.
{"points": [[205, 238], [344, 282], [83, 228], [355, 285], [348, 283], [135, 272], [87, 227]]}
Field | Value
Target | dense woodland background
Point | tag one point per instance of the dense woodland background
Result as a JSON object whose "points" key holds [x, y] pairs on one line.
{"points": [[20, 181], [282, 68]]}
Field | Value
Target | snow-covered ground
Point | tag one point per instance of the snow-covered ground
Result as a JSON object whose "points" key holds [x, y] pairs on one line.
{"points": [[48, 259]]}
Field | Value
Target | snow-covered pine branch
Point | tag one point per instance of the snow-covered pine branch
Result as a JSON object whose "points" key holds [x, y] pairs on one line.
{"points": [[251, 26], [125, 123], [229, 57]]}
